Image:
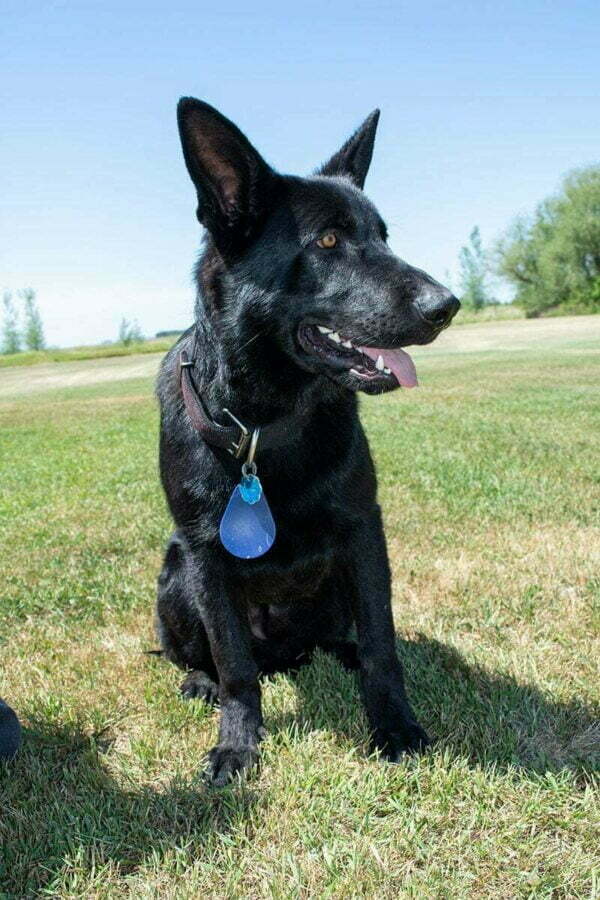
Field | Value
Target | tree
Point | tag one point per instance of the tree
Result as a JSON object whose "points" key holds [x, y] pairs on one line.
{"points": [[473, 272], [34, 330], [130, 332], [11, 340], [552, 258]]}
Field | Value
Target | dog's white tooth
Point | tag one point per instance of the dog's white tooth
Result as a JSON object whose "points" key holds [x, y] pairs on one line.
{"points": [[387, 371], [347, 344], [354, 372], [334, 336], [380, 365], [324, 330]]}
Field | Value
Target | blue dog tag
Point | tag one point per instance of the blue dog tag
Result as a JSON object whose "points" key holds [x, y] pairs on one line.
{"points": [[247, 528]]}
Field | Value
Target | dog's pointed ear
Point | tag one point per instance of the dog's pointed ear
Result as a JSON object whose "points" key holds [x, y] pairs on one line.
{"points": [[354, 158], [231, 178]]}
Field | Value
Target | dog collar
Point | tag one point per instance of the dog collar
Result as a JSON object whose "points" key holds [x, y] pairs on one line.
{"points": [[237, 438], [233, 438]]}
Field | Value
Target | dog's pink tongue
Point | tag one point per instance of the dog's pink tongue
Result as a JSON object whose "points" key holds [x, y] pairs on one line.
{"points": [[398, 361]]}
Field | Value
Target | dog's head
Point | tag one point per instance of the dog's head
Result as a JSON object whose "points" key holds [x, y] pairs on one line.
{"points": [[304, 262]]}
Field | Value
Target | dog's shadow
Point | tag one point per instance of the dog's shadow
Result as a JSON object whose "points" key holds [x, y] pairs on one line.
{"points": [[469, 711]]}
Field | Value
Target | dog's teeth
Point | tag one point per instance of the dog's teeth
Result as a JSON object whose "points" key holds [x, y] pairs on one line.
{"points": [[324, 330], [387, 371], [334, 336], [354, 372], [347, 344], [380, 365]]}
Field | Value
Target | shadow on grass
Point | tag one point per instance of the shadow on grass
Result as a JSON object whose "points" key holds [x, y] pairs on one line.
{"points": [[60, 809], [485, 717], [59, 801]]}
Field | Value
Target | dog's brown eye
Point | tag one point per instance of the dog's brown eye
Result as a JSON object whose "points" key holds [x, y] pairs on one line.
{"points": [[328, 241]]}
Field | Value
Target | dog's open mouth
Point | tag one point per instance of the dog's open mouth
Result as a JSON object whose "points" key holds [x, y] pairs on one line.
{"points": [[389, 367]]}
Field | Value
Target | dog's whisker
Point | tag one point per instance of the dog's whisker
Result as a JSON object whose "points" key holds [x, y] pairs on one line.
{"points": [[257, 335]]}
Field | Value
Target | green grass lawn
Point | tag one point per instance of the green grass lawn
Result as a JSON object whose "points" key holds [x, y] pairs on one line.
{"points": [[490, 485]]}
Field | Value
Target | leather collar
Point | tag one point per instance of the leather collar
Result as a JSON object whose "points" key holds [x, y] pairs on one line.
{"points": [[234, 438]]}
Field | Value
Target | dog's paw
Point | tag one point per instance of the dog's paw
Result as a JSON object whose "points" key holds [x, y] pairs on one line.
{"points": [[409, 738], [225, 762], [199, 686]]}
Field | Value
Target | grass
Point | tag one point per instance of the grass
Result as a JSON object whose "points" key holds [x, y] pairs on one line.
{"points": [[72, 354], [490, 484], [505, 311], [498, 313]]}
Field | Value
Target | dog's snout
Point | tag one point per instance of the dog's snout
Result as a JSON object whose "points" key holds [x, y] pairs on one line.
{"points": [[437, 306]]}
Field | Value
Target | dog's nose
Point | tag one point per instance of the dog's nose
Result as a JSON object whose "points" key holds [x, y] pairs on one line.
{"points": [[437, 306]]}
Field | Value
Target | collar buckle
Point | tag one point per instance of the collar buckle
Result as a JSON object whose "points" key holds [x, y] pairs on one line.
{"points": [[238, 450]]}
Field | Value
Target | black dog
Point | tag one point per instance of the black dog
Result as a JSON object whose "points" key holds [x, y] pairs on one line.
{"points": [[297, 290]]}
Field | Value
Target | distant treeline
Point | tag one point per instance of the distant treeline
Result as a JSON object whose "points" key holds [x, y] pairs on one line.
{"points": [[22, 327], [550, 258]]}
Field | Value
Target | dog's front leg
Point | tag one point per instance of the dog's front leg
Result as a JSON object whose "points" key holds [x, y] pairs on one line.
{"points": [[228, 632], [394, 727]]}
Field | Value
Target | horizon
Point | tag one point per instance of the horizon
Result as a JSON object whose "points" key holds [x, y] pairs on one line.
{"points": [[484, 110]]}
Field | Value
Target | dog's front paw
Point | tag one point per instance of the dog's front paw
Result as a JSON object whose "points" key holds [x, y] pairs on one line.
{"points": [[225, 762], [409, 737]]}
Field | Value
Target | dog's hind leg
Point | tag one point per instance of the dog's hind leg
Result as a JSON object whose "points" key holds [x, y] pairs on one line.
{"points": [[346, 653], [180, 629], [336, 619]]}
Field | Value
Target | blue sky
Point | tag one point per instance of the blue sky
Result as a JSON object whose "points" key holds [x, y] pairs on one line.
{"points": [[484, 107]]}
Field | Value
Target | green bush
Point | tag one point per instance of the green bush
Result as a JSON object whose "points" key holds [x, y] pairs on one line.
{"points": [[553, 257]]}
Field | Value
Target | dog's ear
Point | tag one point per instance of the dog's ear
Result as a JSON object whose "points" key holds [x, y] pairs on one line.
{"points": [[231, 178], [354, 158]]}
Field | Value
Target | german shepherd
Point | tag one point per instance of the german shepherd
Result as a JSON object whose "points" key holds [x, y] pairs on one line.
{"points": [[300, 305]]}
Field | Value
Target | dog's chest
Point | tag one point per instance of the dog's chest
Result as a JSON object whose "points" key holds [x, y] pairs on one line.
{"points": [[276, 584]]}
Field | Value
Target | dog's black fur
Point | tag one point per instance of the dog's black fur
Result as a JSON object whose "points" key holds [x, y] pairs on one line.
{"points": [[263, 282]]}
